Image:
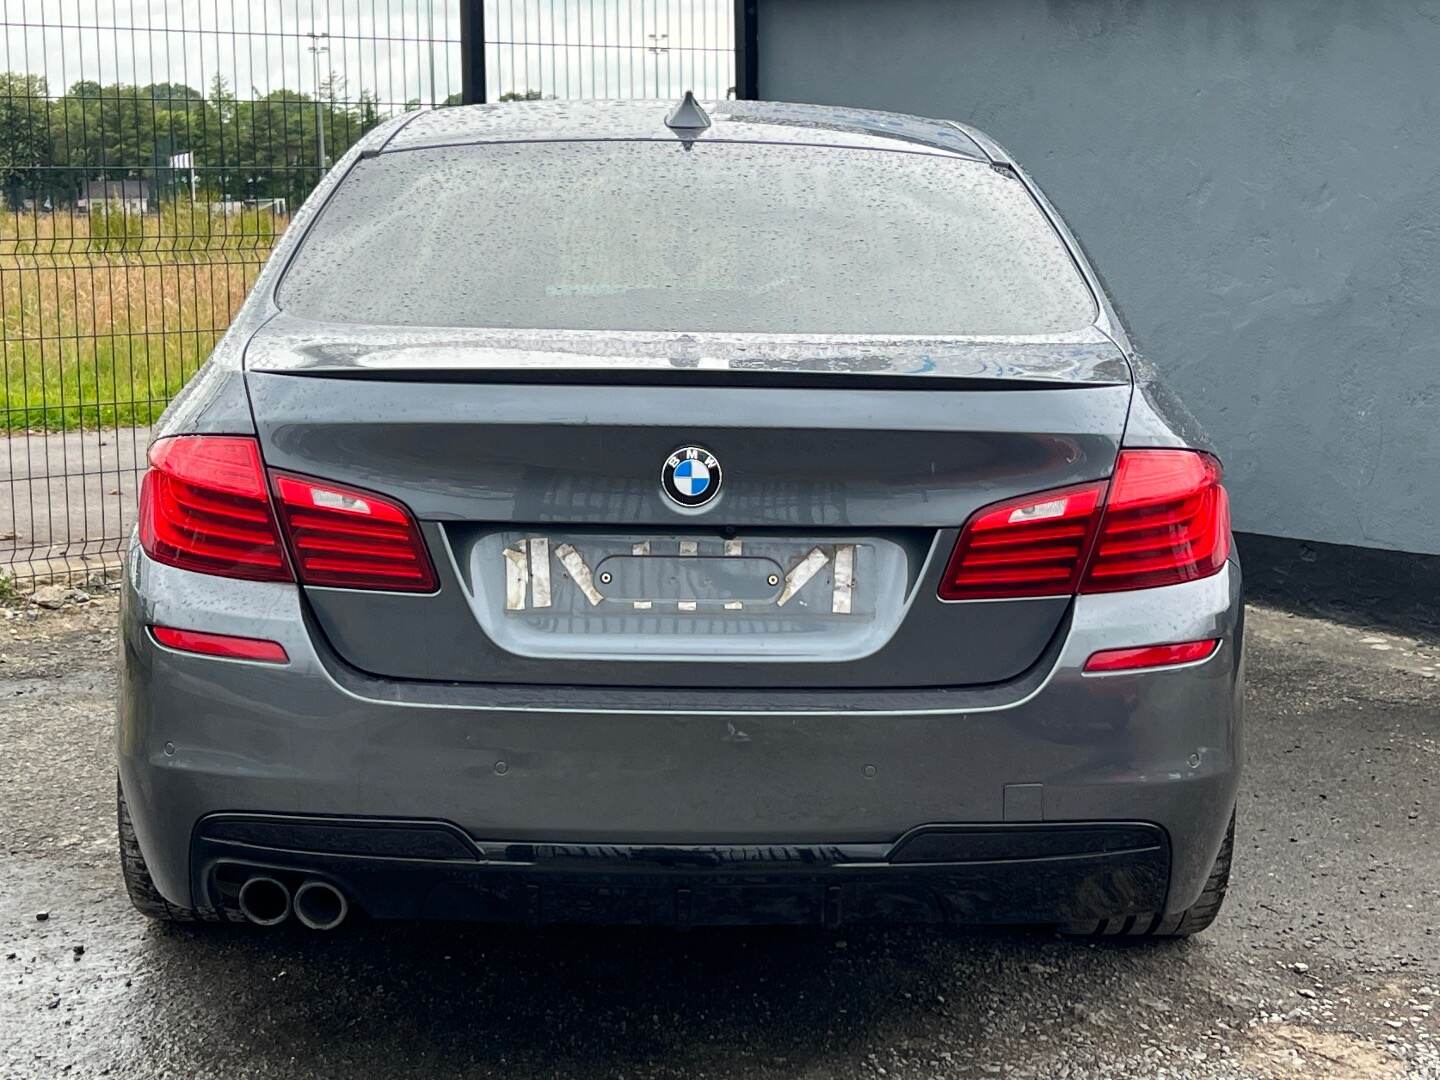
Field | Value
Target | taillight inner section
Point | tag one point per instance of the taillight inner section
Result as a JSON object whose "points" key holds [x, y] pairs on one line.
{"points": [[206, 504], [351, 539], [1034, 546], [1162, 519]]}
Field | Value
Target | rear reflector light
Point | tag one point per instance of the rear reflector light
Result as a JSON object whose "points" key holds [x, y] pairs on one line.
{"points": [[234, 648], [1163, 518], [1151, 656], [351, 539], [1167, 520], [1034, 546], [203, 506]]}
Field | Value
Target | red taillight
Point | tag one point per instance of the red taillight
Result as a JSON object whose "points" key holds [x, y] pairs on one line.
{"points": [[1167, 520], [351, 539], [1151, 656], [1163, 518], [1034, 546], [203, 506], [226, 645]]}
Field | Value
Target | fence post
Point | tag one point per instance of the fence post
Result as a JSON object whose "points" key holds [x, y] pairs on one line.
{"points": [[472, 52], [747, 55]]}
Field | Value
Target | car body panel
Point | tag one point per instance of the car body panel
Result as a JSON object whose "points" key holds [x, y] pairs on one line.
{"points": [[396, 709], [748, 121], [310, 738], [822, 462], [541, 453], [444, 637]]}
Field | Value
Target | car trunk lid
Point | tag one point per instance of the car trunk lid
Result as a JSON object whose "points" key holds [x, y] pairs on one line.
{"points": [[533, 463]]}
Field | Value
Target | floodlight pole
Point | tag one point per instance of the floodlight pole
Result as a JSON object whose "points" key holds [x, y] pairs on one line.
{"points": [[658, 50], [315, 50]]}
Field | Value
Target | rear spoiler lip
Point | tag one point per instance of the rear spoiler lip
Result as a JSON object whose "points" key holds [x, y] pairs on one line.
{"points": [[298, 347], [678, 376]]}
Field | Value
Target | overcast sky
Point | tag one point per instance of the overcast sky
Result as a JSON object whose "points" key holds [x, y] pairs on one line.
{"points": [[397, 49]]}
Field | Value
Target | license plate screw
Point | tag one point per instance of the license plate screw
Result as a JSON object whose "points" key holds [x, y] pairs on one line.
{"points": [[606, 578], [773, 580]]}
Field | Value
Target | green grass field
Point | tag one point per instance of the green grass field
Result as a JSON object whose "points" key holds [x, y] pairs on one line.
{"points": [[103, 317]]}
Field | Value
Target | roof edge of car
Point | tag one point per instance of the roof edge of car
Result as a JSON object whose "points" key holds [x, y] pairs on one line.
{"points": [[602, 119]]}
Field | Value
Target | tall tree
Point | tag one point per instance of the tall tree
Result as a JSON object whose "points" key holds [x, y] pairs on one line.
{"points": [[366, 112], [25, 143]]}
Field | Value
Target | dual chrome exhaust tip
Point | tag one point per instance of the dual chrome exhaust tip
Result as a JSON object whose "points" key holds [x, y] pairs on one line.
{"points": [[320, 906], [267, 901]]}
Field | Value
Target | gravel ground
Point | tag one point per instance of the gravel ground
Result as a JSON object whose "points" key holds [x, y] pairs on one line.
{"points": [[1325, 962]]}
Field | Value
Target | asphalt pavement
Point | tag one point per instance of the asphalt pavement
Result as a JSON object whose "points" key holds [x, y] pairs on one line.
{"points": [[1324, 963], [67, 499]]}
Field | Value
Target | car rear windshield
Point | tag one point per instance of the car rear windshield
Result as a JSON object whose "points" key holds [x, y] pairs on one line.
{"points": [[716, 237]]}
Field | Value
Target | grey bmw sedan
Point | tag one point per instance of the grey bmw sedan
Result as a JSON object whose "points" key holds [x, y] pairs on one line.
{"points": [[726, 513]]}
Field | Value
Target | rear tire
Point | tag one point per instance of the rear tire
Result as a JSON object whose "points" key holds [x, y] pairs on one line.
{"points": [[138, 883], [1192, 920]]}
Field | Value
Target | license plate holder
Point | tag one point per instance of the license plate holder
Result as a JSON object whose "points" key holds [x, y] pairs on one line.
{"points": [[683, 597], [684, 574]]}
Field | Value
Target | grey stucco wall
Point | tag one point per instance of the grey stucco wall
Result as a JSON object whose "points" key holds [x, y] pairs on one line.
{"points": [[1259, 181]]}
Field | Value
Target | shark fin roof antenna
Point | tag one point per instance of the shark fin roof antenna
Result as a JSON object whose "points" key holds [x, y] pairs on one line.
{"points": [[688, 115]]}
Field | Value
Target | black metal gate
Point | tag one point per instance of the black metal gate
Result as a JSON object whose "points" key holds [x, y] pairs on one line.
{"points": [[152, 152]]}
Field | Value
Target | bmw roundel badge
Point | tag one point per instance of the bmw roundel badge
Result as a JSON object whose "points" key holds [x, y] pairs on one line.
{"points": [[691, 477]]}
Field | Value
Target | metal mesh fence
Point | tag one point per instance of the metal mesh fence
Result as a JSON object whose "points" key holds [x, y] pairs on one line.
{"points": [[609, 48]]}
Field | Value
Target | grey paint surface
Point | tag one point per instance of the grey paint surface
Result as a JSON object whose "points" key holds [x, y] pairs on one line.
{"points": [[1260, 185], [814, 463], [308, 738], [445, 637]]}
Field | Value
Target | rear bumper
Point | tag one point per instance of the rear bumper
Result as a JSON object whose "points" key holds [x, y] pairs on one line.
{"points": [[419, 870], [569, 766]]}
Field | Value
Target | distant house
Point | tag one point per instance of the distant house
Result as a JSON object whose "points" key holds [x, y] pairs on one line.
{"points": [[121, 196], [230, 206]]}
